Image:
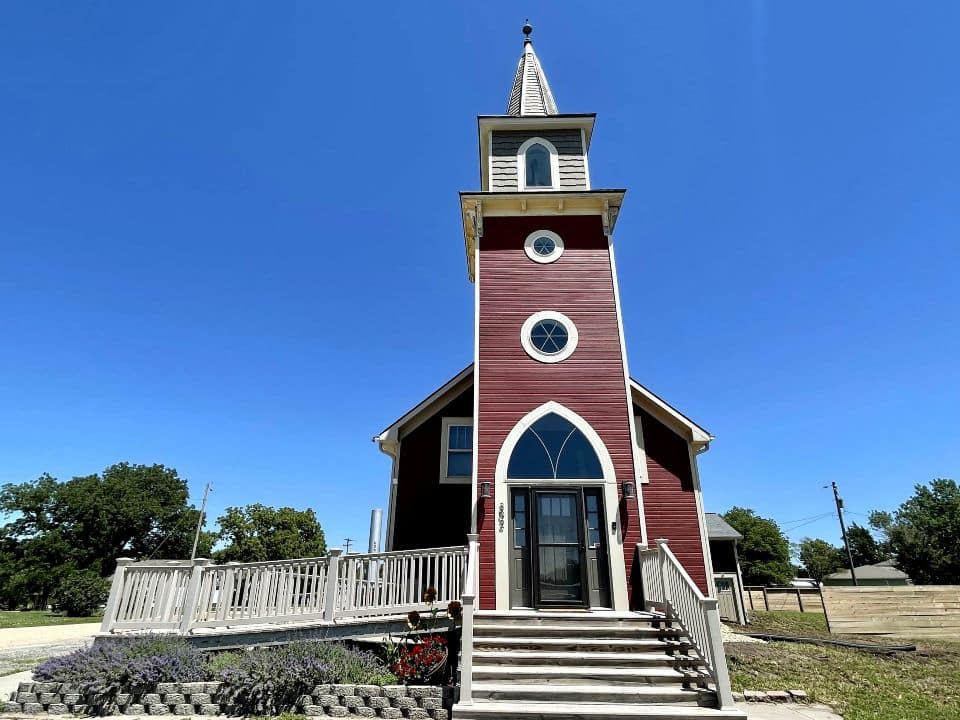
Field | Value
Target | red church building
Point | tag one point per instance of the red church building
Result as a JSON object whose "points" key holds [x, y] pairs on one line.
{"points": [[562, 470]]}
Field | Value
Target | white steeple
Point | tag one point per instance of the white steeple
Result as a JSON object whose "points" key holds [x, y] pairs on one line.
{"points": [[531, 93]]}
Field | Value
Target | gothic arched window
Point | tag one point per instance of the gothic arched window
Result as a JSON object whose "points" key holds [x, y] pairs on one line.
{"points": [[553, 448], [538, 171]]}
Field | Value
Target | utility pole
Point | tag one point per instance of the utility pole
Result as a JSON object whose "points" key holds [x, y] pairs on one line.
{"points": [[203, 509], [843, 531], [346, 543]]}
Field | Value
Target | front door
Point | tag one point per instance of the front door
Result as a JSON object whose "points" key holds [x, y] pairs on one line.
{"points": [[558, 555], [558, 561]]}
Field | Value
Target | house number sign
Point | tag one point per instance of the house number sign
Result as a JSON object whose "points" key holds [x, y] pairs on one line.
{"points": [[500, 516]]}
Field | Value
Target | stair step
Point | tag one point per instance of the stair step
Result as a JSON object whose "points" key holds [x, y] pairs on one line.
{"points": [[579, 644], [596, 677], [582, 629], [567, 693], [526, 617], [588, 659], [588, 711]]}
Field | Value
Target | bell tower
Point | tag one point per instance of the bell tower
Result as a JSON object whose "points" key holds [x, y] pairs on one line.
{"points": [[556, 499]]}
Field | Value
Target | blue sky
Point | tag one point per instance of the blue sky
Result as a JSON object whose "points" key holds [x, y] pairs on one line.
{"points": [[231, 243]]}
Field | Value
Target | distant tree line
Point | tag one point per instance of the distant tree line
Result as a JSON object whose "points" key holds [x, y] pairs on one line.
{"points": [[922, 537], [61, 539]]}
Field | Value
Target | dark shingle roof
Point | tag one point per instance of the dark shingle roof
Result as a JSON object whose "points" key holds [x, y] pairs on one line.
{"points": [[719, 529]]}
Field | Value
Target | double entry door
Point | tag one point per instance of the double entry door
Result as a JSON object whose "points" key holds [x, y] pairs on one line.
{"points": [[558, 553]]}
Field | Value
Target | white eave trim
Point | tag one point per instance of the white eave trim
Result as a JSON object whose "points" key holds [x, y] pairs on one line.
{"points": [[389, 439], [669, 415]]}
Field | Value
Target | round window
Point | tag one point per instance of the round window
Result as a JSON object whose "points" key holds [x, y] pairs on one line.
{"points": [[549, 336], [543, 246]]}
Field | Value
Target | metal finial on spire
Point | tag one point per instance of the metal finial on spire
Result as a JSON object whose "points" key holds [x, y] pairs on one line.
{"points": [[530, 94]]}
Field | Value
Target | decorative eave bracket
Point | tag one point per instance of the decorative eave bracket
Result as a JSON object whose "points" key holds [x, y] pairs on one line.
{"points": [[476, 206]]}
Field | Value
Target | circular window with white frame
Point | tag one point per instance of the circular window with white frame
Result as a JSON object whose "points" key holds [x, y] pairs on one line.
{"points": [[543, 246], [549, 336]]}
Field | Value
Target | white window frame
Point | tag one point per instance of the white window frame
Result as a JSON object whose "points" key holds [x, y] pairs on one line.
{"points": [[573, 337], [447, 423], [543, 259], [522, 165]]}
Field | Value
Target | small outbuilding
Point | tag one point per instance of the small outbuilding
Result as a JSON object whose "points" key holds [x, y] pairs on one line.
{"points": [[727, 578], [883, 573]]}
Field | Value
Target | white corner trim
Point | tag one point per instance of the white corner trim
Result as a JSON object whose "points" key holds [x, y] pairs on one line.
{"points": [[641, 450], [446, 424], [573, 336], [701, 519], [522, 165], [475, 370], [586, 161], [611, 498], [537, 257], [639, 472]]}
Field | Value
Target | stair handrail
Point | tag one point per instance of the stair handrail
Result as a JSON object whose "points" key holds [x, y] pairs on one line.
{"points": [[667, 585], [466, 636]]}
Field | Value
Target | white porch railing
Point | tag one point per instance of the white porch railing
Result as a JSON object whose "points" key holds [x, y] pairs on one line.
{"points": [[180, 596], [668, 588]]}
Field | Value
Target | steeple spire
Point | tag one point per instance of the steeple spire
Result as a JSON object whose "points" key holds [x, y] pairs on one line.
{"points": [[531, 93]]}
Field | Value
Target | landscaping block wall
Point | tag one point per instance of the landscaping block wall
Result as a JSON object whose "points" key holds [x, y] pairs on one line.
{"points": [[203, 698]]}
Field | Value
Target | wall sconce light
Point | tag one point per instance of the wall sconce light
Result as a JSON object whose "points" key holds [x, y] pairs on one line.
{"points": [[485, 489], [629, 490]]}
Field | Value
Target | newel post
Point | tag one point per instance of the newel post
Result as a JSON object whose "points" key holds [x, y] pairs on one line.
{"points": [[116, 592], [193, 595], [333, 583], [664, 583], [721, 676], [466, 633]]}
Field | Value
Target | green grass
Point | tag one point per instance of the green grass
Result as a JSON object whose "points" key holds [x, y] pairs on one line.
{"points": [[921, 685], [33, 618]]}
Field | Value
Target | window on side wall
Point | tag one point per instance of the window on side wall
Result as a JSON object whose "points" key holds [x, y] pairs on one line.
{"points": [[456, 446]]}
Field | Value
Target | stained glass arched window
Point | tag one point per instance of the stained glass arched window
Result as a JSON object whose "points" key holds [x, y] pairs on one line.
{"points": [[553, 448]]}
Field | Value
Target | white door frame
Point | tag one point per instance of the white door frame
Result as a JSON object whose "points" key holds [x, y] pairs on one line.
{"points": [[611, 497]]}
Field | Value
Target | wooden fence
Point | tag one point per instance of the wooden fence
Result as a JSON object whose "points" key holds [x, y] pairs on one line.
{"points": [[784, 598], [911, 611]]}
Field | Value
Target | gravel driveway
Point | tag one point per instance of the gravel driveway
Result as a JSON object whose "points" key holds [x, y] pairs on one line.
{"points": [[21, 648]]}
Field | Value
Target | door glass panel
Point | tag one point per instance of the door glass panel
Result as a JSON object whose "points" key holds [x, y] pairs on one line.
{"points": [[557, 521], [560, 574], [593, 521], [558, 551], [519, 520]]}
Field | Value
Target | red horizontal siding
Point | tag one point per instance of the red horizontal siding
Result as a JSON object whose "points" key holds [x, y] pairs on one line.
{"points": [[669, 501], [590, 382], [419, 488]]}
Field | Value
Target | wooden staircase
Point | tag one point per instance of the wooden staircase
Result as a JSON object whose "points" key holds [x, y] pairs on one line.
{"points": [[556, 665]]}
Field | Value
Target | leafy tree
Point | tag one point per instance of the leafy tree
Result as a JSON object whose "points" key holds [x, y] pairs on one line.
{"points": [[764, 551], [256, 533], [864, 547], [820, 558], [923, 533], [80, 593], [86, 523]]}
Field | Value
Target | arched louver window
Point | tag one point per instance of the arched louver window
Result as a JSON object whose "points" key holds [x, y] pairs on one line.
{"points": [[553, 448], [538, 166]]}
